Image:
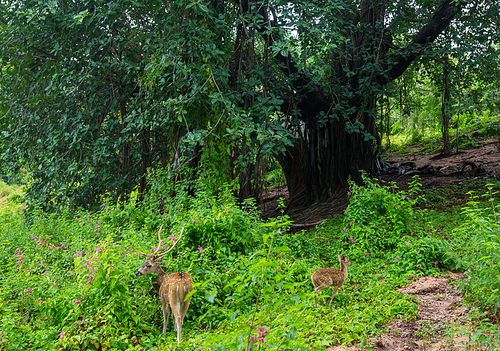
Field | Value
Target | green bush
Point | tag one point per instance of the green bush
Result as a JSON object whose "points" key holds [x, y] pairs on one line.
{"points": [[76, 289], [9, 192], [67, 286], [210, 219], [477, 251], [420, 256], [377, 217]]}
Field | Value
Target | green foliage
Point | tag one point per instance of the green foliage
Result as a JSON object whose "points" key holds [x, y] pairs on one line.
{"points": [[216, 221], [73, 277], [302, 244], [71, 282], [483, 334], [76, 288], [9, 192], [210, 219], [275, 177], [418, 100], [477, 249], [97, 98], [377, 217], [92, 94], [474, 128], [110, 91], [420, 256]]}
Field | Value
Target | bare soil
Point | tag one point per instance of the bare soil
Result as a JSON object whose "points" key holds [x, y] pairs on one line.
{"points": [[455, 169], [440, 313], [434, 170]]}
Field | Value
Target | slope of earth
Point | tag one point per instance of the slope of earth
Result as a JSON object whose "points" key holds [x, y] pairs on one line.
{"points": [[441, 318], [434, 169]]}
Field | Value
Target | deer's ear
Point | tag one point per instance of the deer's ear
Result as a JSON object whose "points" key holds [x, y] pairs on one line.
{"points": [[159, 259]]}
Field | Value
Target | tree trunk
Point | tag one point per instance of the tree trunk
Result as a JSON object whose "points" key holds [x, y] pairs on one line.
{"points": [[126, 166], [327, 153], [445, 107], [318, 167], [146, 149], [388, 124]]}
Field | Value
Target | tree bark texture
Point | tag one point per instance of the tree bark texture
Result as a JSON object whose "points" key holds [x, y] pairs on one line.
{"points": [[445, 107]]}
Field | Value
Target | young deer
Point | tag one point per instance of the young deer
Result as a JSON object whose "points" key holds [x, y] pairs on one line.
{"points": [[325, 277], [172, 287]]}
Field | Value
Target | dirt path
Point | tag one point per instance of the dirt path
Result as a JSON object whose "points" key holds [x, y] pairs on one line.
{"points": [[440, 313], [485, 157]]}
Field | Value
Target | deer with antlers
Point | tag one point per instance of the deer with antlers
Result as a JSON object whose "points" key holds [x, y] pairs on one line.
{"points": [[172, 288]]}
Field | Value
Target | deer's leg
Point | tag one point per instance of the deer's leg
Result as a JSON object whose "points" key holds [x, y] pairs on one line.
{"points": [[174, 319], [318, 289], [179, 329], [166, 311], [185, 306], [180, 315], [319, 294], [176, 306], [333, 293]]}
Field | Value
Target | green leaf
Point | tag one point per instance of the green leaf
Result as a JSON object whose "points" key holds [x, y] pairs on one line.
{"points": [[210, 297]]}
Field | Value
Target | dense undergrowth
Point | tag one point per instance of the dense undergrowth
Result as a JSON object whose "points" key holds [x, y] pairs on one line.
{"points": [[473, 129], [68, 282]]}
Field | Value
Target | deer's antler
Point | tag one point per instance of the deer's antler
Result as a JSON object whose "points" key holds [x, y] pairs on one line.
{"points": [[175, 241], [157, 249], [159, 243], [155, 254]]}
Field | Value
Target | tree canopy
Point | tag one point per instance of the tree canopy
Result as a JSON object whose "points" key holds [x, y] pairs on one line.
{"points": [[94, 94]]}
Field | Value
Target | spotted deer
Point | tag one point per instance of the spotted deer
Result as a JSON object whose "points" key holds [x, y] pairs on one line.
{"points": [[325, 277], [172, 288]]}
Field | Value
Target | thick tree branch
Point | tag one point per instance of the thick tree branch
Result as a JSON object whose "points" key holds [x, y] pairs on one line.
{"points": [[429, 33], [54, 58], [289, 67]]}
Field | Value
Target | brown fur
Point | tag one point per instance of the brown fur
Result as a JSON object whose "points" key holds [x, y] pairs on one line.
{"points": [[173, 290], [325, 277]]}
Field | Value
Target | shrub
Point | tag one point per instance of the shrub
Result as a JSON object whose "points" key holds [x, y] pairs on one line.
{"points": [[477, 250], [9, 192], [77, 288], [377, 217], [211, 219], [420, 256]]}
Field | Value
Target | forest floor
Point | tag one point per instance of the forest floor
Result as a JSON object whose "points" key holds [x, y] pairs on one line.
{"points": [[442, 317], [434, 170], [441, 314], [440, 325], [440, 308]]}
